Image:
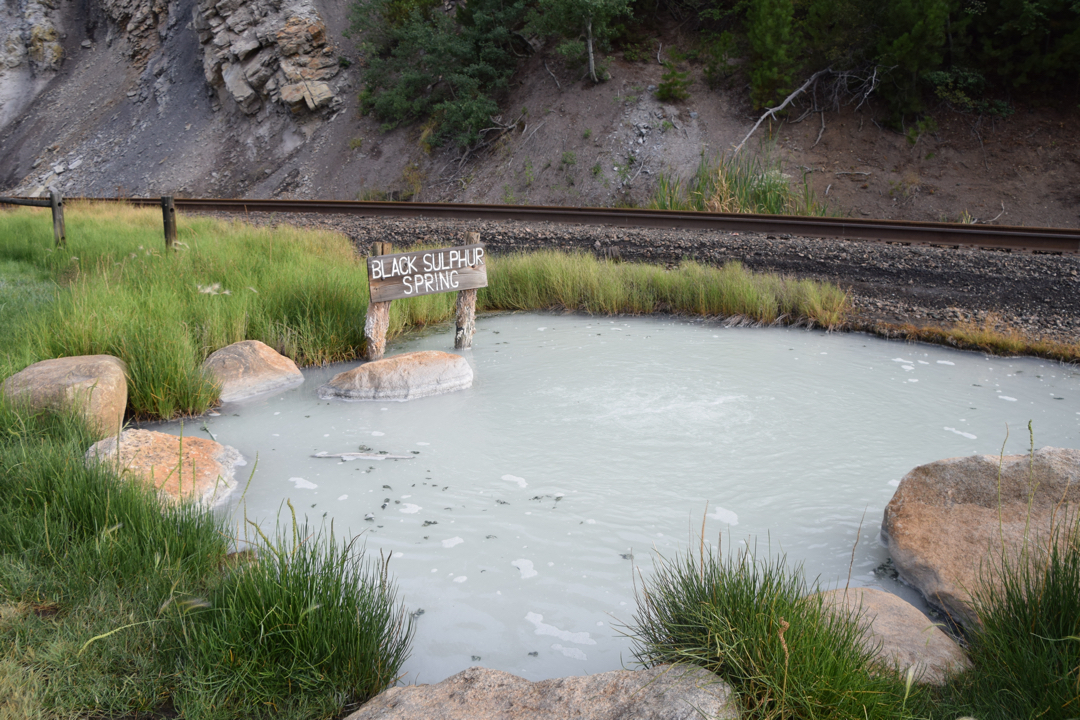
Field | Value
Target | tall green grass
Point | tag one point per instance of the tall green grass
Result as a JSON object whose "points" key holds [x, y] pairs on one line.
{"points": [[111, 604], [304, 293], [312, 622], [757, 624], [1026, 651], [743, 183], [556, 280]]}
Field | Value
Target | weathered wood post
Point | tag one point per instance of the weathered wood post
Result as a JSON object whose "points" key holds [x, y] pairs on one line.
{"points": [[466, 310], [56, 202], [378, 315], [168, 213]]}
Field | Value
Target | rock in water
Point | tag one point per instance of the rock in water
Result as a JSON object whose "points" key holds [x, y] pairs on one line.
{"points": [[250, 368], [665, 692], [94, 385], [905, 636], [950, 517], [182, 469], [402, 377]]}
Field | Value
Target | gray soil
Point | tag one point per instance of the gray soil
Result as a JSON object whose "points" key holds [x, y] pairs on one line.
{"points": [[888, 284]]}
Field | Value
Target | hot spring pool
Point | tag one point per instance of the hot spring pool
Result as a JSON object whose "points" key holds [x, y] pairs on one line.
{"points": [[587, 445]]}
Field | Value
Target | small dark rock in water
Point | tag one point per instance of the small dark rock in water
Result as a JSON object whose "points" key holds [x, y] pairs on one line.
{"points": [[534, 654], [386, 500], [492, 537], [887, 570], [502, 502], [415, 452], [626, 556], [476, 658], [430, 522], [383, 506], [387, 487]]}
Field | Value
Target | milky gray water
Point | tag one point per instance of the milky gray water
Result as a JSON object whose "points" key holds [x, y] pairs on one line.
{"points": [[588, 445]]}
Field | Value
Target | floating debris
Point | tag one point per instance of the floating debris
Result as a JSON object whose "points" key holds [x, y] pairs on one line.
{"points": [[430, 522], [347, 457], [534, 654], [370, 517], [417, 613]]}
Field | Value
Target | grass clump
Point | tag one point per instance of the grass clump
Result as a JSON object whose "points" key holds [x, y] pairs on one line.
{"points": [[1026, 652], [556, 280], [754, 623], [742, 183], [309, 624]]}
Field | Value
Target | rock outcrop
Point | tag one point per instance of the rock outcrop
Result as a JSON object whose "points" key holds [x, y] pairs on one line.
{"points": [[402, 377], [662, 693], [30, 53], [250, 368], [949, 518], [267, 50], [94, 385], [181, 469], [902, 634]]}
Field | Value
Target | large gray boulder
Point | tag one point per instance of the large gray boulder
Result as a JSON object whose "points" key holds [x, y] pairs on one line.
{"points": [[402, 377], [93, 385], [951, 518], [902, 635], [662, 693], [187, 469], [248, 368]]}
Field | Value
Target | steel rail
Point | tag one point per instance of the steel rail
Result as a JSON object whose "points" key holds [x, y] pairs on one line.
{"points": [[1031, 239]]}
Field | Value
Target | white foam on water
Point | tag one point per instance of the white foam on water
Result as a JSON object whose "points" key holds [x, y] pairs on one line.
{"points": [[923, 362], [1006, 397], [894, 483], [515, 479], [542, 628], [945, 362], [423, 443], [900, 360], [723, 515], [461, 578], [451, 542], [912, 380], [376, 433], [542, 329], [572, 653], [968, 435], [526, 568], [343, 497], [908, 368], [590, 521], [409, 508], [302, 484]]}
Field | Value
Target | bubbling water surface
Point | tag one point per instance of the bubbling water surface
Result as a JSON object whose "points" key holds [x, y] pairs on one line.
{"points": [[588, 445]]}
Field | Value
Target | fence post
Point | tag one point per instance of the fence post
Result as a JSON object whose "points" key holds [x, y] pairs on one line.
{"points": [[465, 309], [168, 213], [56, 202], [378, 315]]}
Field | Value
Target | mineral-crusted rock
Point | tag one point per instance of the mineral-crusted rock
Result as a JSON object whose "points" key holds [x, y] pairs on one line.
{"points": [[94, 385], [248, 368], [664, 692], [949, 518], [905, 636], [181, 469], [402, 377]]}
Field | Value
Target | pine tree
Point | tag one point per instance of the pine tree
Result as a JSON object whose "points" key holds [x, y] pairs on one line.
{"points": [[770, 37]]}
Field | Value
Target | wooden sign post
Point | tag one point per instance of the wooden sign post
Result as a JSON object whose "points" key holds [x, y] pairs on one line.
{"points": [[394, 276]]}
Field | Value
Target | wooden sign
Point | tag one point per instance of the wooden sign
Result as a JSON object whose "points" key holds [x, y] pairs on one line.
{"points": [[412, 274]]}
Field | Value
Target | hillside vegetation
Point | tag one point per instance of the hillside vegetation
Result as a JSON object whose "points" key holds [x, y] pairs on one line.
{"points": [[452, 69]]}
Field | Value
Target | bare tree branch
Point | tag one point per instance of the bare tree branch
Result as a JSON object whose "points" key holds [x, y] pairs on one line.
{"points": [[771, 112]]}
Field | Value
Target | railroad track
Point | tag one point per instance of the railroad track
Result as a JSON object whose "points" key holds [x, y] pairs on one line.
{"points": [[1001, 237]]}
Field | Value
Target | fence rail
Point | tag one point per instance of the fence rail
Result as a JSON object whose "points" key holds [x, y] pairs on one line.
{"points": [[1001, 237]]}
